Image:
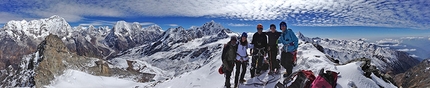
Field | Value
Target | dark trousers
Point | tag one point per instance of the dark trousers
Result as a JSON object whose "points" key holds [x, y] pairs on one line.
{"points": [[287, 61], [228, 75], [238, 72], [274, 64], [257, 62]]}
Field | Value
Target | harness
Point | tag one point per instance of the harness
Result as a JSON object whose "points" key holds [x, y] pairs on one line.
{"points": [[260, 51], [241, 57]]}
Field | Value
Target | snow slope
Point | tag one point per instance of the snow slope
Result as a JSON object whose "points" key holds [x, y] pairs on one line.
{"points": [[207, 76], [78, 79], [385, 59], [309, 58], [163, 73]]}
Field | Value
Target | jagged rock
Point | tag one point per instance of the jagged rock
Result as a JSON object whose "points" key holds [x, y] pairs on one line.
{"points": [[51, 59]]}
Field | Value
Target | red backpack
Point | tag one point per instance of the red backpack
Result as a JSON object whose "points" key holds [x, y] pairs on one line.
{"points": [[220, 70], [325, 80]]}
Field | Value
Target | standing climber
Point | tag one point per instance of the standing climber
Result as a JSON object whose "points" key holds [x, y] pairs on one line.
{"points": [[273, 48], [290, 44], [259, 40], [228, 57]]}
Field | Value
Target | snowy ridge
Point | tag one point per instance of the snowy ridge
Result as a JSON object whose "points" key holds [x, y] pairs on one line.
{"points": [[36, 29], [309, 58], [383, 58]]}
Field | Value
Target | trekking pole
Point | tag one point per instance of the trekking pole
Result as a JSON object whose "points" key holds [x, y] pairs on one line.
{"points": [[270, 60], [255, 68]]}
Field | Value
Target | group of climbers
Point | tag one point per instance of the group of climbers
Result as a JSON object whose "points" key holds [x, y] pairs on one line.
{"points": [[262, 44]]}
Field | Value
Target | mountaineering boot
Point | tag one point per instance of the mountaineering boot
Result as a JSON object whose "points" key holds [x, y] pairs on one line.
{"points": [[285, 74], [242, 81]]}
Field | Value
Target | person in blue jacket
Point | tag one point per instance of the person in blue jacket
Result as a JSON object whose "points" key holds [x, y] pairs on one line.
{"points": [[290, 44]]}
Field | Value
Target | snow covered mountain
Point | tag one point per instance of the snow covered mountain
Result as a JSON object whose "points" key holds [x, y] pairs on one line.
{"points": [[19, 38], [385, 59], [416, 46], [102, 43]]}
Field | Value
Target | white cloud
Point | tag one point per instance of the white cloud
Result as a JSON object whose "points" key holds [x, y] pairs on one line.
{"points": [[364, 39], [429, 38], [389, 42], [97, 23], [5, 17], [173, 25], [406, 50], [239, 25], [413, 55], [146, 23], [412, 38], [381, 13]]}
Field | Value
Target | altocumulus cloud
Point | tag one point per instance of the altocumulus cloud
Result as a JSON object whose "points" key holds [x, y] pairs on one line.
{"points": [[380, 13], [239, 25]]}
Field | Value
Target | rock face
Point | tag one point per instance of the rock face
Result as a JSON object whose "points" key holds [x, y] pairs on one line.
{"points": [[416, 77], [52, 58]]}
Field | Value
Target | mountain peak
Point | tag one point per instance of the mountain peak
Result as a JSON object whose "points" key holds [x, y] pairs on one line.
{"points": [[56, 17], [213, 24], [154, 27], [121, 22]]}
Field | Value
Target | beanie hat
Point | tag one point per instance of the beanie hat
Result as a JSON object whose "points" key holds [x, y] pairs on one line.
{"points": [[282, 24], [244, 34]]}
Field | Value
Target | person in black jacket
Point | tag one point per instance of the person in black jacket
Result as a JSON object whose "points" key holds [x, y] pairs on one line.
{"points": [[259, 40], [273, 48]]}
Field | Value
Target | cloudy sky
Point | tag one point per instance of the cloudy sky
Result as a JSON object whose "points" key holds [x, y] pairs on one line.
{"points": [[323, 18]]}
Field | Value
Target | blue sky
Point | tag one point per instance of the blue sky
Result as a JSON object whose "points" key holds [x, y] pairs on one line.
{"points": [[340, 19]]}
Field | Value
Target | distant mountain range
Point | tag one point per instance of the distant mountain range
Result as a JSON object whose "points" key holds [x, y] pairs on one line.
{"points": [[34, 52]]}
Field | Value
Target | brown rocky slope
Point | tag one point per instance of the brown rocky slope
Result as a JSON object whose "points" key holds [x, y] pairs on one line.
{"points": [[416, 77], [52, 58]]}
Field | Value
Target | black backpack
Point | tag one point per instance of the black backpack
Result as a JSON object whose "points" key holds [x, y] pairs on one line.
{"points": [[300, 79]]}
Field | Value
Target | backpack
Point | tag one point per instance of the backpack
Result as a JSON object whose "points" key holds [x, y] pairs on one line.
{"points": [[229, 52], [327, 79], [301, 79], [220, 70]]}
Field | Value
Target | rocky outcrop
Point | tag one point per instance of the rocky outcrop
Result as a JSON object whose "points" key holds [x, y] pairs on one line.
{"points": [[11, 52], [416, 77], [52, 58], [56, 58]]}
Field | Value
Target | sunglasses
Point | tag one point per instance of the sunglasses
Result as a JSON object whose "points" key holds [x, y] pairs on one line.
{"points": [[259, 28]]}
